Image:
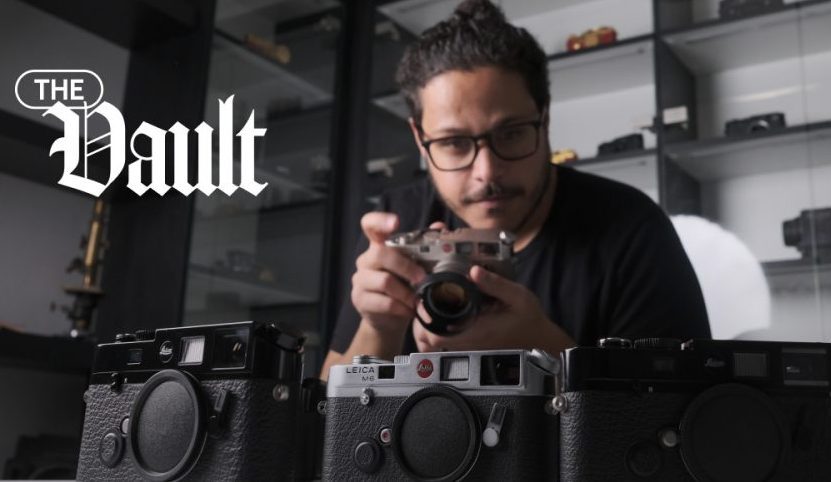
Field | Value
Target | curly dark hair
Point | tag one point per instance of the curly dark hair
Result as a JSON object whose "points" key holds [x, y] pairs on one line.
{"points": [[476, 35]]}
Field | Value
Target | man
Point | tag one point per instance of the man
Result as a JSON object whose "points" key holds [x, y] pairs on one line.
{"points": [[595, 258]]}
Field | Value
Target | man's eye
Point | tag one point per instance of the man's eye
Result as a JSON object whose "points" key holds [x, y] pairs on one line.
{"points": [[453, 143], [513, 133]]}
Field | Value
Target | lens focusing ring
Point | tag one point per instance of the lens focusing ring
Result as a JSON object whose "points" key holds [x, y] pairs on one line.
{"points": [[441, 317]]}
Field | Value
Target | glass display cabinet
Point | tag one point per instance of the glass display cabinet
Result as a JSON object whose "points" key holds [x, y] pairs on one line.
{"points": [[259, 257]]}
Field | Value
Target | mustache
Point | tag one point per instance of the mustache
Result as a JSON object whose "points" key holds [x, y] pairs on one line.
{"points": [[492, 190]]}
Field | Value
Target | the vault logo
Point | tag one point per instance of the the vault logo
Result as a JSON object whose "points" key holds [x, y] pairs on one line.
{"points": [[60, 93]]}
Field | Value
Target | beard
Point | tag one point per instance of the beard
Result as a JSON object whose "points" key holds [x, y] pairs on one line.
{"points": [[502, 191]]}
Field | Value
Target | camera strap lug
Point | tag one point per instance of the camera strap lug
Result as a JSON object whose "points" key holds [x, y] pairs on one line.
{"points": [[216, 420], [490, 436]]}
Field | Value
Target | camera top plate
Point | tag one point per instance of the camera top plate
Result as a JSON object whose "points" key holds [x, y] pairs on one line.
{"points": [[483, 373]]}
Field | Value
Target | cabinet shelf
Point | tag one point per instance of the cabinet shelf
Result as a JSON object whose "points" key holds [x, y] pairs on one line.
{"points": [[797, 274], [251, 291], [758, 153], [796, 30], [262, 211], [50, 353], [600, 70], [260, 81], [614, 158]]}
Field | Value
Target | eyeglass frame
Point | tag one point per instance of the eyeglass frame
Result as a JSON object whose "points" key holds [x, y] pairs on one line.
{"points": [[487, 135]]}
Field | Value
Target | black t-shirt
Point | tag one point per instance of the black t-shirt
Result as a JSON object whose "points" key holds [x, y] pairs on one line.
{"points": [[607, 262]]}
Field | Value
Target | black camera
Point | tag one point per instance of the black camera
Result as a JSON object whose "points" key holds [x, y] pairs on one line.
{"points": [[810, 233], [746, 8], [213, 402], [753, 124], [657, 409], [631, 142], [449, 296], [443, 417]]}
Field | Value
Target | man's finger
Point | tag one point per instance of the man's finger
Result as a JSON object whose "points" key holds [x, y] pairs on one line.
{"points": [[438, 225], [378, 226], [386, 283], [495, 286]]}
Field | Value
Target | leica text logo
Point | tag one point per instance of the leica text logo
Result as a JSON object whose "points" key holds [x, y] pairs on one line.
{"points": [[76, 96]]}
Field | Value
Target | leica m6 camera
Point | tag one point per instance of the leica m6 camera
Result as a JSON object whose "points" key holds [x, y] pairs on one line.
{"points": [[704, 410], [442, 417], [213, 402], [447, 293]]}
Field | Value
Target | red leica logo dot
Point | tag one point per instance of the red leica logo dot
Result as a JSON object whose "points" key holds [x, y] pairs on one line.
{"points": [[425, 368]]}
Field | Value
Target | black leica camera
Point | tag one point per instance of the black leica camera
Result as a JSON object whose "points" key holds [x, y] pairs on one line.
{"points": [[810, 233], [631, 142], [704, 410], [442, 417], [756, 123], [746, 8], [212, 402], [447, 293]]}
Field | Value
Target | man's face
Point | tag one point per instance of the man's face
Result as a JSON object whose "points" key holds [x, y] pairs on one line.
{"points": [[492, 192]]}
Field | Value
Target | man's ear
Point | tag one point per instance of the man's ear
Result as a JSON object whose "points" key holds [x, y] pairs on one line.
{"points": [[417, 136]]}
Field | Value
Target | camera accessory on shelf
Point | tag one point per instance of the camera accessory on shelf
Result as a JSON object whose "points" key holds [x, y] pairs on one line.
{"points": [[631, 142], [591, 38], [810, 233], [728, 9], [447, 293], [754, 124]]}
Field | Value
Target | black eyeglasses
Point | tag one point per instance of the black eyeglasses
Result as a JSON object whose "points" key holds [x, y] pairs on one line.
{"points": [[509, 142]]}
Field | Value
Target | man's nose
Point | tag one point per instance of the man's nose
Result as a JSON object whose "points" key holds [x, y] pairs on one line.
{"points": [[487, 166]]}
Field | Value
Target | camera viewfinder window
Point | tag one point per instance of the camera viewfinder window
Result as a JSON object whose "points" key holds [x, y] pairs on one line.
{"points": [[193, 350], [500, 370], [230, 348]]}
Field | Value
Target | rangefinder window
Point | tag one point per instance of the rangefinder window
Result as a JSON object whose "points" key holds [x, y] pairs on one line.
{"points": [[193, 350], [807, 367], [230, 348], [500, 370], [489, 249], [455, 368], [464, 248]]}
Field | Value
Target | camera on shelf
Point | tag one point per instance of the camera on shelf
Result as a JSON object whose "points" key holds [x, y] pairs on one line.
{"points": [[218, 402], [631, 142], [810, 233], [658, 409], [443, 416], [564, 156], [756, 123], [746, 8], [591, 38], [447, 293]]}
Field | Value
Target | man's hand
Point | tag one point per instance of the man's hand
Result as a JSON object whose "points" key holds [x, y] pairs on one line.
{"points": [[382, 284], [512, 319]]}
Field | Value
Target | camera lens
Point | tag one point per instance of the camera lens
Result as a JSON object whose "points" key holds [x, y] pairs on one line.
{"points": [[449, 298]]}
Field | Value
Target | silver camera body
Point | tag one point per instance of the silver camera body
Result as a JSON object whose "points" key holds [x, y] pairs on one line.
{"points": [[449, 296], [443, 416]]}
